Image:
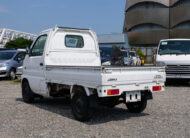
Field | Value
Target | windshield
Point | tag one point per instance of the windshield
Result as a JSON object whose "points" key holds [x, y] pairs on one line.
{"points": [[174, 47], [125, 54], [132, 54], [6, 55], [106, 52]]}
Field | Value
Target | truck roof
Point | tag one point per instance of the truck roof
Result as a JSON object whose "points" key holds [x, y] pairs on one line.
{"points": [[67, 28], [73, 28]]}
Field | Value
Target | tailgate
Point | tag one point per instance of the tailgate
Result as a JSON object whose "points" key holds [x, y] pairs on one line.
{"points": [[132, 75]]}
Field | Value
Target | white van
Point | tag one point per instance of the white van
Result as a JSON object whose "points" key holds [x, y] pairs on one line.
{"points": [[174, 54], [66, 62]]}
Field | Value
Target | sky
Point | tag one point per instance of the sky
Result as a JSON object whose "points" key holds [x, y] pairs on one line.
{"points": [[34, 16]]}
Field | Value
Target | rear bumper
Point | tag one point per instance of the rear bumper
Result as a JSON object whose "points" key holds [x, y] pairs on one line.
{"points": [[103, 90]]}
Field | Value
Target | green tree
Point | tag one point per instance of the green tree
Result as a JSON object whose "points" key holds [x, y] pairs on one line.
{"points": [[140, 53], [19, 43]]}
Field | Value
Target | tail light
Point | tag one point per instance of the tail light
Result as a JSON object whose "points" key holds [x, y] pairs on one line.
{"points": [[113, 92], [156, 88]]}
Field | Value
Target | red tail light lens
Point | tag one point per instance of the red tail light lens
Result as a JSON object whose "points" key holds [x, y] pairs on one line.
{"points": [[113, 92], [156, 88]]}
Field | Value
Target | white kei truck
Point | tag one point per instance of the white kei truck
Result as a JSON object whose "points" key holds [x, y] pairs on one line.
{"points": [[66, 62]]}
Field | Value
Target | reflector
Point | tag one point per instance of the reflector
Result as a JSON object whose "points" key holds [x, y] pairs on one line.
{"points": [[156, 88], [113, 92]]}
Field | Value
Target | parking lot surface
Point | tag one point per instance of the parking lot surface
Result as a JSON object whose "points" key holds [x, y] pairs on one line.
{"points": [[168, 115]]}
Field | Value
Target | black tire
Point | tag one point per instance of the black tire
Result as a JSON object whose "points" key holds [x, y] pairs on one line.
{"points": [[81, 106], [137, 107], [12, 74], [27, 94]]}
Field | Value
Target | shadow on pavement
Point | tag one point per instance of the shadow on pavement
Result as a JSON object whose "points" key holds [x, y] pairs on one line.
{"points": [[102, 114], [4, 79]]}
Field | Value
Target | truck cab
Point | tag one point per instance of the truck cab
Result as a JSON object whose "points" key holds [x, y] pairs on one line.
{"points": [[174, 54]]}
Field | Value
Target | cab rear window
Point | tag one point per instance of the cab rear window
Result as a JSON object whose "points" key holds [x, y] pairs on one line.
{"points": [[74, 41]]}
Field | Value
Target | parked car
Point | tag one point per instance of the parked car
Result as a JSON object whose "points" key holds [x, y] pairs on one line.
{"points": [[127, 57], [134, 57], [136, 61], [174, 54], [5, 49], [139, 61], [66, 62], [9, 61], [111, 55]]}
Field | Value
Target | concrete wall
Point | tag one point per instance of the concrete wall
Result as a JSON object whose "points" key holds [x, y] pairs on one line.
{"points": [[149, 21]]}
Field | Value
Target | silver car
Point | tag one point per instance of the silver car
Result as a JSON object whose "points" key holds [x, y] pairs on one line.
{"points": [[127, 58], [9, 61]]}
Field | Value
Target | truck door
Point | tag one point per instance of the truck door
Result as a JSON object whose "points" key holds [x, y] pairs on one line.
{"points": [[35, 65]]}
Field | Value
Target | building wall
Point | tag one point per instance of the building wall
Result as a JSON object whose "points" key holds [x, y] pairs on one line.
{"points": [[180, 19], [120, 40], [149, 21]]}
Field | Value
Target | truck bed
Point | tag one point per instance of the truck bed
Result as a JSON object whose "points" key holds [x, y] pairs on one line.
{"points": [[128, 75], [94, 77]]}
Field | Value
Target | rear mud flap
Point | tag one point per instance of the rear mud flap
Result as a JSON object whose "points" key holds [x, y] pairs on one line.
{"points": [[149, 96]]}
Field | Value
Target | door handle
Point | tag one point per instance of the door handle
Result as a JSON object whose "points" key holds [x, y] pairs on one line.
{"points": [[41, 64]]}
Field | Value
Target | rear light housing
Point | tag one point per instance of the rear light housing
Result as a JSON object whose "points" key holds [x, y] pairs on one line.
{"points": [[113, 92], [156, 88]]}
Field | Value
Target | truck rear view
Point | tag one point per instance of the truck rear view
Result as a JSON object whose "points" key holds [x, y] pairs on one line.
{"points": [[66, 62]]}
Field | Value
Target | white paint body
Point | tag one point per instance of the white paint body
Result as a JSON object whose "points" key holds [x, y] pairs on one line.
{"points": [[179, 65], [82, 67]]}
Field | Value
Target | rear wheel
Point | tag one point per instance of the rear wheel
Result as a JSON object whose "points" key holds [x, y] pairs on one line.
{"points": [[27, 94], [137, 107], [81, 106]]}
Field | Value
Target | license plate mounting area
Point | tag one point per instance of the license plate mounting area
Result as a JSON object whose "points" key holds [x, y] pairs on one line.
{"points": [[133, 97]]}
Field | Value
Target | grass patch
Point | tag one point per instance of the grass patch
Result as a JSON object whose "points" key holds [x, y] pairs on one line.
{"points": [[16, 81], [8, 80]]}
